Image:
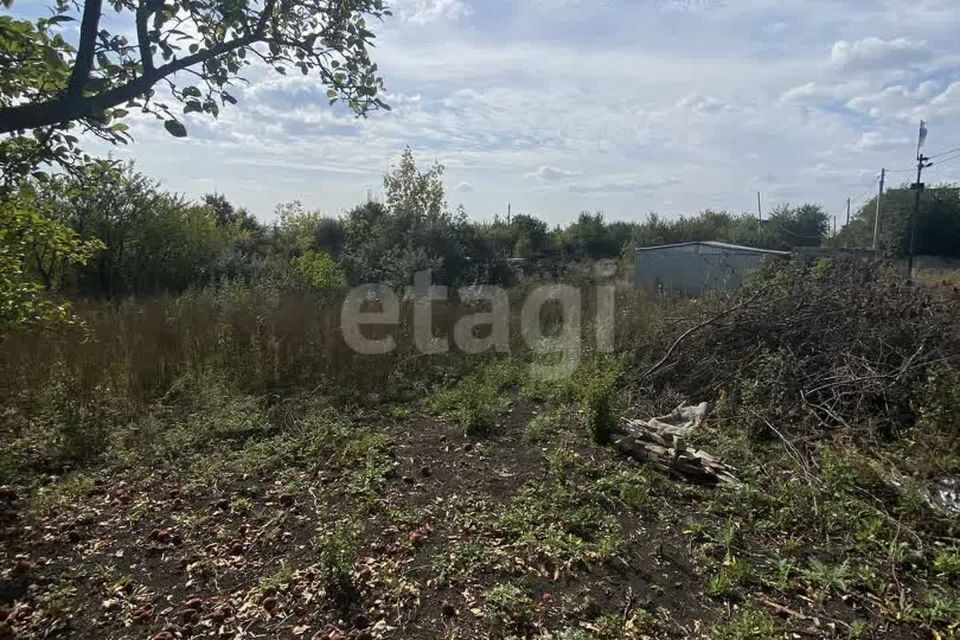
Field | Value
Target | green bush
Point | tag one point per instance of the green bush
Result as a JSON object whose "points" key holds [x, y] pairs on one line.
{"points": [[509, 611], [337, 549], [597, 384], [317, 270]]}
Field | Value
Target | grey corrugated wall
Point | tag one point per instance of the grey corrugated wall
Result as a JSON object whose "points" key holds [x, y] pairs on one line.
{"points": [[692, 270]]}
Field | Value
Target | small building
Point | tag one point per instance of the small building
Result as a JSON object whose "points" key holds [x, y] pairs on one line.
{"points": [[691, 269]]}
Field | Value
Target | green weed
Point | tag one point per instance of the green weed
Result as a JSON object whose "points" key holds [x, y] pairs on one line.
{"points": [[336, 546], [749, 624], [544, 425], [596, 388], [508, 611], [474, 400]]}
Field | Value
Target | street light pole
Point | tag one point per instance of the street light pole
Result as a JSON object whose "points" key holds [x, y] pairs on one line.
{"points": [[876, 218], [917, 188]]}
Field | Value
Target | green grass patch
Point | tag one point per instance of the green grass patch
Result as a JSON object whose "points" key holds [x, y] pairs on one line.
{"points": [[474, 400]]}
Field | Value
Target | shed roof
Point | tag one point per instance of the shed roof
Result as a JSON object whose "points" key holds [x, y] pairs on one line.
{"points": [[717, 245]]}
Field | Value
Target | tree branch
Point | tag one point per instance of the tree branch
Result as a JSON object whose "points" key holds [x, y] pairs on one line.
{"points": [[697, 327], [75, 106], [88, 40], [146, 9], [66, 108]]}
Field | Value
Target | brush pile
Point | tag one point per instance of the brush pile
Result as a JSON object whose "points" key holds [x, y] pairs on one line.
{"points": [[815, 347]]}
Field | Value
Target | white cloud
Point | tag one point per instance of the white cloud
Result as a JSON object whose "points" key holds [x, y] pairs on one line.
{"points": [[624, 185], [776, 28], [947, 103], [550, 174], [896, 102], [702, 104], [811, 93], [688, 6], [394, 99], [877, 141], [845, 175], [424, 12], [877, 53]]}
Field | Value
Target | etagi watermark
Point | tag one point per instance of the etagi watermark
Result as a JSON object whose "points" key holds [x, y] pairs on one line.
{"points": [[469, 336]]}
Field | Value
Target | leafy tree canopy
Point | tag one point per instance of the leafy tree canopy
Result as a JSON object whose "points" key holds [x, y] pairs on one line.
{"points": [[938, 223], [152, 240], [193, 50], [803, 226], [413, 231], [415, 192], [27, 230]]}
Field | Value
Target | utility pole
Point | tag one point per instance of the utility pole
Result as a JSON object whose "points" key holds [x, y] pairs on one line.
{"points": [[759, 208], [509, 211], [848, 213], [918, 189], [876, 217], [834, 226]]}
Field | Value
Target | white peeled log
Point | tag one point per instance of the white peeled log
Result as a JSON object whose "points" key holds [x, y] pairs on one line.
{"points": [[661, 442]]}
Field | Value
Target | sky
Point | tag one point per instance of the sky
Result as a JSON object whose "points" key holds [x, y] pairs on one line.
{"points": [[621, 106]]}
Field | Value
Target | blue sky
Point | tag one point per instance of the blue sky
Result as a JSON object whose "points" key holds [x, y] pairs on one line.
{"points": [[627, 107]]}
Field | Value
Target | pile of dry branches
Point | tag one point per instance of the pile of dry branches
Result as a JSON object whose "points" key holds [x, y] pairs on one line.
{"points": [[816, 346]]}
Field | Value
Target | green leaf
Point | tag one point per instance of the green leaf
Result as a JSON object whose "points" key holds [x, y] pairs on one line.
{"points": [[52, 58], [175, 128], [191, 92]]}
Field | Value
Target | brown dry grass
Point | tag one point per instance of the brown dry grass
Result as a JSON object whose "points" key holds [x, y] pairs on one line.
{"points": [[76, 385]]}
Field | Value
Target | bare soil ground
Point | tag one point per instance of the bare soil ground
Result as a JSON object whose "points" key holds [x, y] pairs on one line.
{"points": [[386, 523]]}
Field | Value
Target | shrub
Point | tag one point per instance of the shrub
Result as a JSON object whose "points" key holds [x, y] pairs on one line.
{"points": [[597, 383], [472, 400], [337, 549], [26, 234], [317, 270], [509, 611]]}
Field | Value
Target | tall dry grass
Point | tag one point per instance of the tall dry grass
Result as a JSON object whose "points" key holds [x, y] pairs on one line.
{"points": [[64, 391]]}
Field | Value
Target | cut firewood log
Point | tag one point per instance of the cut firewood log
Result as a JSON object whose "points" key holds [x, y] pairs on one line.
{"points": [[661, 442]]}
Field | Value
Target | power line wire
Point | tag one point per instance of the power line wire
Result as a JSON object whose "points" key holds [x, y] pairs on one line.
{"points": [[950, 155], [943, 153], [945, 160], [864, 196], [867, 191]]}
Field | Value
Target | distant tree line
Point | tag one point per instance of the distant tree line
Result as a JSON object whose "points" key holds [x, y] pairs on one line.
{"points": [[143, 240], [938, 223]]}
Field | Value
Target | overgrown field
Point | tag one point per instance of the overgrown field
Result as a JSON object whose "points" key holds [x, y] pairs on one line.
{"points": [[221, 465]]}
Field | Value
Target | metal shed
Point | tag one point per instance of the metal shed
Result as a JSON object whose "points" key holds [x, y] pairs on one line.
{"points": [[690, 269]]}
